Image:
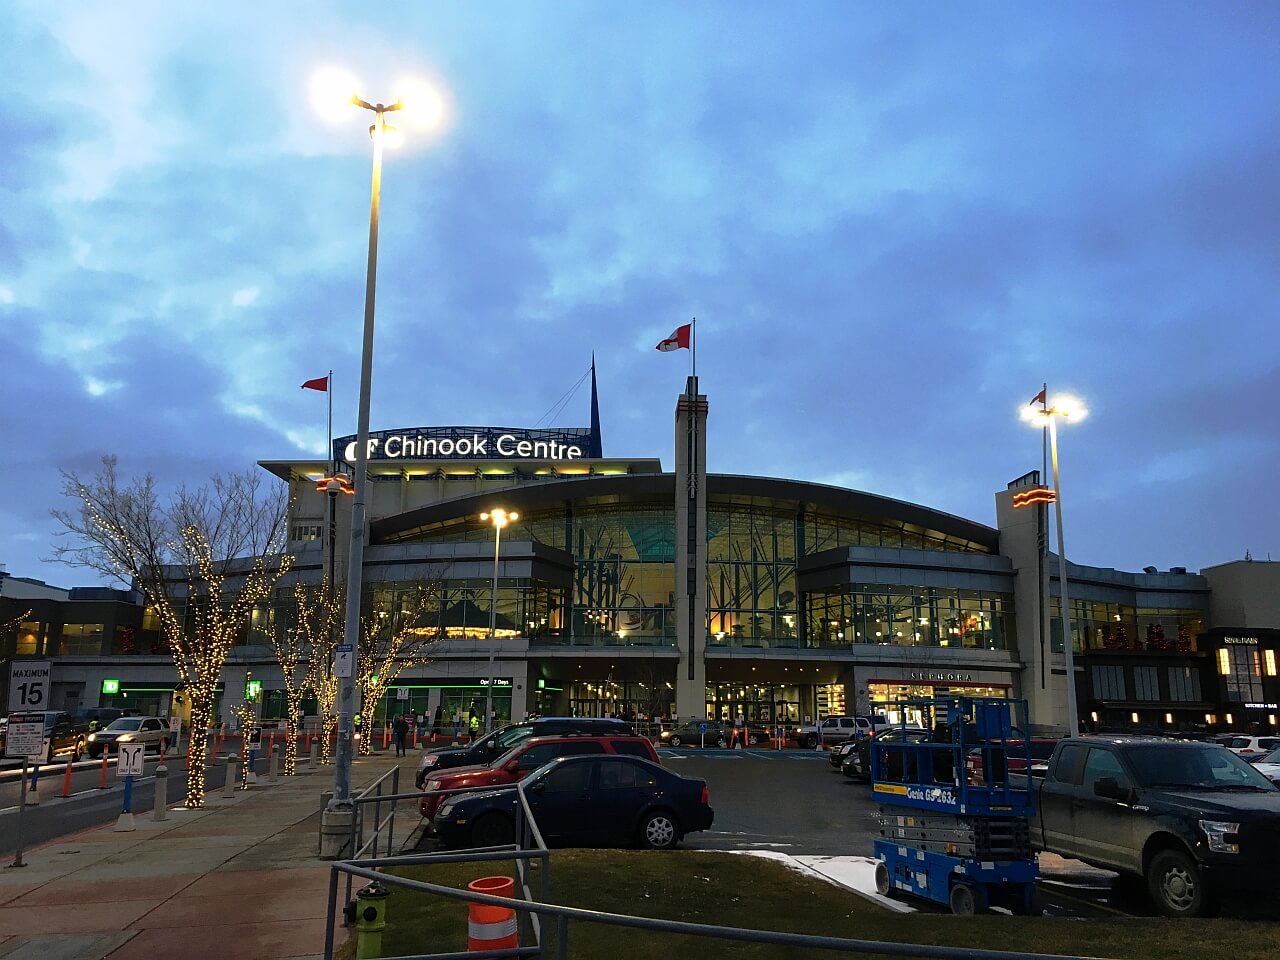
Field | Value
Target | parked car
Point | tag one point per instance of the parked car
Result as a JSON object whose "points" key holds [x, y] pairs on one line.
{"points": [[830, 731], [490, 747], [689, 734], [152, 732], [839, 754], [520, 761], [65, 735], [857, 763], [1252, 748], [585, 801], [1194, 820], [1269, 766]]}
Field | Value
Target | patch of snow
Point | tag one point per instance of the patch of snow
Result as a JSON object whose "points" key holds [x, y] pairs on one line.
{"points": [[851, 873]]}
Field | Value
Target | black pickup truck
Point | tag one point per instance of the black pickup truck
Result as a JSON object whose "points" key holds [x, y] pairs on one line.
{"points": [[1193, 820]]}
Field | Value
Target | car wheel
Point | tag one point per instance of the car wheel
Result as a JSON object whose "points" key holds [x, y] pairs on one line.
{"points": [[883, 886], [492, 830], [675, 740], [811, 740], [75, 757], [963, 902], [1177, 886], [660, 831], [720, 742]]}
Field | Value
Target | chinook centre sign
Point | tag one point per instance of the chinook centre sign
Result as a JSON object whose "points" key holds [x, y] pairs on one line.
{"points": [[472, 443]]}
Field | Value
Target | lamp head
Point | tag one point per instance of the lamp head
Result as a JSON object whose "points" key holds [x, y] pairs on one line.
{"points": [[499, 517], [333, 91], [1063, 405], [418, 104]]}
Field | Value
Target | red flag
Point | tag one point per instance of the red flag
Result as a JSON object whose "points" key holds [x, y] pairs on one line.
{"points": [[679, 338], [319, 383], [1038, 398]]}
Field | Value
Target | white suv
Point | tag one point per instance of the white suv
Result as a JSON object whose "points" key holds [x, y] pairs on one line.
{"points": [[1251, 748]]}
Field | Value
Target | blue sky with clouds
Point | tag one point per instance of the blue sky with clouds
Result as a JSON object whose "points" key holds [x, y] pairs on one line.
{"points": [[893, 221]]}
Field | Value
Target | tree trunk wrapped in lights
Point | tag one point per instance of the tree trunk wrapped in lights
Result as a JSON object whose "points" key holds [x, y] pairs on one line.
{"points": [[202, 558], [318, 625], [396, 635]]}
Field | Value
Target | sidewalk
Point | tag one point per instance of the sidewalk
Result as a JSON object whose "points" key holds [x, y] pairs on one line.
{"points": [[239, 878]]}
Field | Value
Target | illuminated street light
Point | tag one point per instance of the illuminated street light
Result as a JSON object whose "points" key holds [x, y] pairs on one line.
{"points": [[333, 91], [499, 519], [1067, 408]]}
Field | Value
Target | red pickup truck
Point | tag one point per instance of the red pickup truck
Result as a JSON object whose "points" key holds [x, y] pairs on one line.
{"points": [[520, 761]]}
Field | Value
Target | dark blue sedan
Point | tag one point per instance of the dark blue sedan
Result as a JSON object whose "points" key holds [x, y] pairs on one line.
{"points": [[585, 801]]}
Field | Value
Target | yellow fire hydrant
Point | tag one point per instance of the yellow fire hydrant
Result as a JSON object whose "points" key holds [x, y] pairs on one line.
{"points": [[371, 920]]}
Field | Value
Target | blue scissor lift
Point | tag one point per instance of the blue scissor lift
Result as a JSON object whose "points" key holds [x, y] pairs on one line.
{"points": [[944, 838]]}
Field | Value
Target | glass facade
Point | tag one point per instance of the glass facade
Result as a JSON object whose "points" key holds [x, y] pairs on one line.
{"points": [[1115, 626], [624, 579], [911, 617]]}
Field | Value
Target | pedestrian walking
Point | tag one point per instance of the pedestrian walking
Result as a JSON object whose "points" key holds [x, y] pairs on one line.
{"points": [[740, 731], [457, 723], [401, 731], [475, 727]]}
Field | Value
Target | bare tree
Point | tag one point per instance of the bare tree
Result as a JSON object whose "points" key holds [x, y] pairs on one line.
{"points": [[203, 559], [318, 620], [397, 634]]}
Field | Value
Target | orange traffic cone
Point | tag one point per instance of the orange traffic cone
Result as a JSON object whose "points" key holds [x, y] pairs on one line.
{"points": [[492, 928]]}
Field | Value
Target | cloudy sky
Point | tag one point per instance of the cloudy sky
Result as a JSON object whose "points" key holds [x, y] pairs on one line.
{"points": [[893, 221]]}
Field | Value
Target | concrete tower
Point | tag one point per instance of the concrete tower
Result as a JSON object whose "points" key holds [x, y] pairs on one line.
{"points": [[691, 552]]}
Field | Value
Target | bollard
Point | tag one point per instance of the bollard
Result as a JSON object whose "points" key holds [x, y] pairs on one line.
{"points": [[229, 787], [313, 761], [370, 911], [102, 778], [161, 811], [273, 765], [66, 780], [32, 799], [125, 824], [492, 928]]}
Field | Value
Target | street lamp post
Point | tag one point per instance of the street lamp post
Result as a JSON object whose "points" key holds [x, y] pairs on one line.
{"points": [[499, 519], [1068, 408]]}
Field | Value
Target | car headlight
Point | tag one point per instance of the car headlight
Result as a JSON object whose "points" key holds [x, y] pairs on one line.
{"points": [[127, 738], [93, 737], [430, 760], [1222, 835], [445, 810], [433, 784]]}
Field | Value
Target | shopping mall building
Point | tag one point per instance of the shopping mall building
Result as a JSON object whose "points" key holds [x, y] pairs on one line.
{"points": [[624, 588]]}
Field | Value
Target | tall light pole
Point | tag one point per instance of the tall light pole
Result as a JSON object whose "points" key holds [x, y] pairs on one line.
{"points": [[1067, 408], [331, 88], [499, 518]]}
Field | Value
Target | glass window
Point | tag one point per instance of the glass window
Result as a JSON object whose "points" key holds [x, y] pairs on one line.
{"points": [[1183, 766], [1146, 683], [80, 639], [1070, 765], [1103, 763], [568, 778], [1184, 683], [1243, 672], [617, 775], [1108, 683], [28, 632]]}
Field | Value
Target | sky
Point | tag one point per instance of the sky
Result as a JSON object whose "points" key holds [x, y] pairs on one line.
{"points": [[892, 221]]}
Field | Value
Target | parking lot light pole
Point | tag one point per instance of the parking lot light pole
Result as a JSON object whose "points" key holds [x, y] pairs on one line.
{"points": [[498, 518], [1067, 408]]}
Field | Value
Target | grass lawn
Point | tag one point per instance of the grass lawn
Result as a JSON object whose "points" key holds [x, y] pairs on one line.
{"points": [[752, 892]]}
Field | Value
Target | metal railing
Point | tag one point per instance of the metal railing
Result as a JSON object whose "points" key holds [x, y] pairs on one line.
{"points": [[536, 914]]}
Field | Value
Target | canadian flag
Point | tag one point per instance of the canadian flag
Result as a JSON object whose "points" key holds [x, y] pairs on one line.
{"points": [[678, 339]]}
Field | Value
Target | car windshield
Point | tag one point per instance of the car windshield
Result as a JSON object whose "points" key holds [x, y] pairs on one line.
{"points": [[504, 758], [125, 723], [513, 735], [1272, 757], [1193, 768]]}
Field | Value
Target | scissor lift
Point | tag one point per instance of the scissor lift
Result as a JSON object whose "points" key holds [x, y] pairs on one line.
{"points": [[944, 838]]}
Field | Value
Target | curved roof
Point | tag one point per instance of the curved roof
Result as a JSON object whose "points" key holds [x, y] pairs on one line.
{"points": [[661, 487]]}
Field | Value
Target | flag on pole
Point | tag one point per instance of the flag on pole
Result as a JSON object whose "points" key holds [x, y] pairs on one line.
{"points": [[679, 338], [1039, 397], [319, 383]]}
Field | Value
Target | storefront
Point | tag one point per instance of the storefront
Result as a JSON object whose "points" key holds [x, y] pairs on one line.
{"points": [[885, 693]]}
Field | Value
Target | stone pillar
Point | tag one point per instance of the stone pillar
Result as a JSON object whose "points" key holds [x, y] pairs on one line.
{"points": [[1043, 683], [691, 552]]}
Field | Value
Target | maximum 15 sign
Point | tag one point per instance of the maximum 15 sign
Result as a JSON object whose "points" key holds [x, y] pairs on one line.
{"points": [[29, 685]]}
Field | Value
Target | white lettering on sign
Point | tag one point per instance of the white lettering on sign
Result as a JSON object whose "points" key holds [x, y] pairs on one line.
{"points": [[1252, 641], [403, 446], [932, 676], [24, 737], [931, 794], [131, 759]]}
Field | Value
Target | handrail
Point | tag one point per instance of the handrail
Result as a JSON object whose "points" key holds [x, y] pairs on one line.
{"points": [[541, 910]]}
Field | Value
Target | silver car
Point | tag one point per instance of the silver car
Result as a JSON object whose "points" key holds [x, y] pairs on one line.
{"points": [[151, 731]]}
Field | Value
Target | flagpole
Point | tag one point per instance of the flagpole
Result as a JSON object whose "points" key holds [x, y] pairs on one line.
{"points": [[333, 465], [693, 345]]}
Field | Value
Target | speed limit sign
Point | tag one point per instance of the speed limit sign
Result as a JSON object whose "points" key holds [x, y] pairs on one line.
{"points": [[29, 685]]}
